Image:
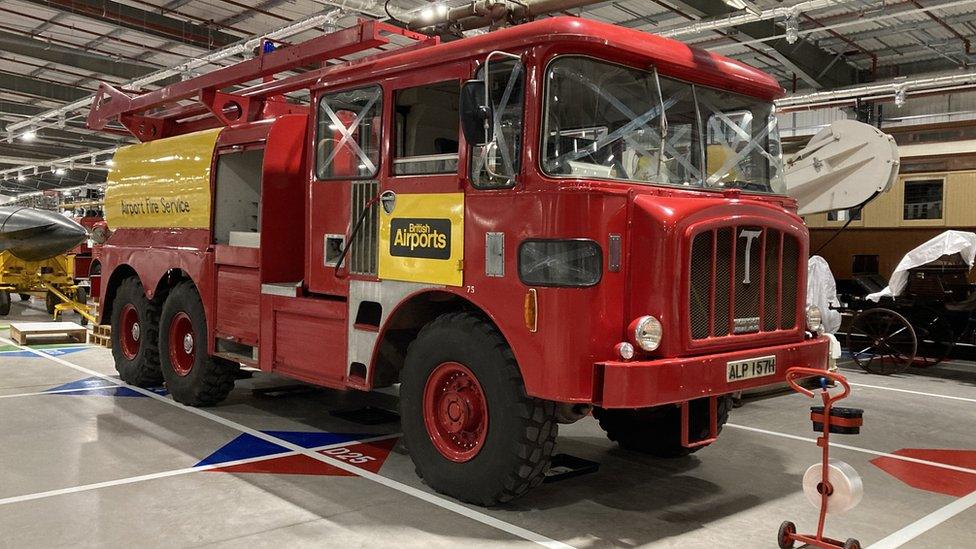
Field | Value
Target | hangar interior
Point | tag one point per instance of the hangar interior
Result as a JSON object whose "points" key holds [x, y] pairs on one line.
{"points": [[312, 256]]}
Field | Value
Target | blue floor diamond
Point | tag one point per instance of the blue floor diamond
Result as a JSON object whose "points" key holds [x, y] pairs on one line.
{"points": [[243, 447], [82, 384]]}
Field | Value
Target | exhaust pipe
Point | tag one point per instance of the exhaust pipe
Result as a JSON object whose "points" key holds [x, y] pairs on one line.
{"points": [[488, 13]]}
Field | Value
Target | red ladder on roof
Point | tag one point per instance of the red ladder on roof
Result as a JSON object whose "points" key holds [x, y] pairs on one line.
{"points": [[159, 113]]}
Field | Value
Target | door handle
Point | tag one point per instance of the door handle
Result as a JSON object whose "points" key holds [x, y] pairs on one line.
{"points": [[388, 200]]}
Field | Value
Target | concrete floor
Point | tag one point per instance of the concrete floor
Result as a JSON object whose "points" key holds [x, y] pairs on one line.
{"points": [[98, 465]]}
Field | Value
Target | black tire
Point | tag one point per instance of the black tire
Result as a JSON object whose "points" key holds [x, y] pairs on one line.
{"points": [[142, 369], [24, 297], [852, 543], [783, 538], [205, 381], [520, 432], [657, 431], [4, 303], [50, 300], [881, 341], [81, 296]]}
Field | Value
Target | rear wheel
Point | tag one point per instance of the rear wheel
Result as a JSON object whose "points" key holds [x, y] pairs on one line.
{"points": [[934, 334], [4, 303], [657, 431], [24, 297], [785, 536], [135, 326], [192, 376], [471, 430]]}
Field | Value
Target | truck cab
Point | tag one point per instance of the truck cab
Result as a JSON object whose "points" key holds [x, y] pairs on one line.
{"points": [[516, 229]]}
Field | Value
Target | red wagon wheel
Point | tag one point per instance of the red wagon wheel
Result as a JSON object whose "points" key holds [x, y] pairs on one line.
{"points": [[881, 341]]}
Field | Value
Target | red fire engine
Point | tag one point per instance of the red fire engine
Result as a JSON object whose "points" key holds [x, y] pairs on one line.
{"points": [[517, 228]]}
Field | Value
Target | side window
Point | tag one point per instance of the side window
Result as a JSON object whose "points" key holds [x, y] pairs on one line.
{"points": [[347, 142], [427, 125], [495, 166]]}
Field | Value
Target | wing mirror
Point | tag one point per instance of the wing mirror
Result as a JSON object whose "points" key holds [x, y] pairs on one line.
{"points": [[475, 113]]}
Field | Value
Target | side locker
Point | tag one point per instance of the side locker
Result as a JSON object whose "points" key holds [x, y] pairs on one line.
{"points": [[236, 236], [300, 335]]}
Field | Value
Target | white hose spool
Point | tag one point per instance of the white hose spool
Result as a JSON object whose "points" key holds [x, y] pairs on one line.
{"points": [[848, 489]]}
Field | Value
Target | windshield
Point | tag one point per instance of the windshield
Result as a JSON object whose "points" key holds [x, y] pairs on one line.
{"points": [[605, 121]]}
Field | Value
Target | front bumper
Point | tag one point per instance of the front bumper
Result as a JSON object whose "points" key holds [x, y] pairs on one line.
{"points": [[639, 384]]}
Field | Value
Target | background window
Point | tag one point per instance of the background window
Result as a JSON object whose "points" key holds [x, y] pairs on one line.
{"points": [[427, 128], [864, 264], [853, 214], [348, 134], [923, 199]]}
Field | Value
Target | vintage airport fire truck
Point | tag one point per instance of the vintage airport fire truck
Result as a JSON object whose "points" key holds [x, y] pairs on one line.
{"points": [[518, 229]]}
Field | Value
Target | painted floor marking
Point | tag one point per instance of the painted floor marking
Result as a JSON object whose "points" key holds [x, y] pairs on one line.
{"points": [[433, 499], [913, 392], [856, 449], [926, 523], [170, 473]]}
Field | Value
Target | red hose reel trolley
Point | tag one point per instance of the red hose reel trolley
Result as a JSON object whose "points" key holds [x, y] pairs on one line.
{"points": [[831, 483]]}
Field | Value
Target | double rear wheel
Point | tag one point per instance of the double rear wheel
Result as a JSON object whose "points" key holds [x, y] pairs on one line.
{"points": [[153, 345]]}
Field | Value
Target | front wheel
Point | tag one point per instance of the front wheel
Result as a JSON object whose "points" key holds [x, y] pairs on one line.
{"points": [[471, 430], [4, 303], [192, 376], [657, 431]]}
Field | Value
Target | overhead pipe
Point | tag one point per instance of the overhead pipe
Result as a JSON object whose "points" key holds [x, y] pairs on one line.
{"points": [[741, 18], [843, 24], [876, 90], [486, 13]]}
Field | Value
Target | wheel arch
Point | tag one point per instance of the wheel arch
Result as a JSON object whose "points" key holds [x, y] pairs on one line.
{"points": [[111, 285], [404, 323]]}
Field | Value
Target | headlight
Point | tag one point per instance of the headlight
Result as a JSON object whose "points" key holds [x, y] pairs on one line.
{"points": [[560, 263], [647, 332], [814, 318]]}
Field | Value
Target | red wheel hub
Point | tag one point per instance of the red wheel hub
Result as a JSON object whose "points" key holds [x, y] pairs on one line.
{"points": [[455, 412], [182, 348], [131, 331]]}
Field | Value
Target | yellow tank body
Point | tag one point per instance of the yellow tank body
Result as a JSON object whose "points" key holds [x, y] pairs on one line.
{"points": [[162, 184]]}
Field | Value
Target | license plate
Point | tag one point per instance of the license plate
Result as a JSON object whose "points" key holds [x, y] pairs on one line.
{"points": [[737, 370]]}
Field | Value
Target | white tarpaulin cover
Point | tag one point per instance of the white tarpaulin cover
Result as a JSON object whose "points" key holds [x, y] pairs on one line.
{"points": [[947, 243], [822, 292]]}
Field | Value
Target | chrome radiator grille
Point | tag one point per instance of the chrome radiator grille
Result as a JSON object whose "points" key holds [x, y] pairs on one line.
{"points": [[743, 280]]}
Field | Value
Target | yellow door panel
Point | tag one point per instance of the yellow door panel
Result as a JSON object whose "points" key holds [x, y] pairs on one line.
{"points": [[422, 240]]}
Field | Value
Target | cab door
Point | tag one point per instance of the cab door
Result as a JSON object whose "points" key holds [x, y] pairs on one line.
{"points": [[345, 171], [421, 224]]}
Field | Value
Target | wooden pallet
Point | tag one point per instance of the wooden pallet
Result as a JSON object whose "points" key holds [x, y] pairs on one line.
{"points": [[101, 334], [21, 331]]}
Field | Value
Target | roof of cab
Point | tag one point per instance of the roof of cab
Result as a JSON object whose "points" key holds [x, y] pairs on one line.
{"points": [[671, 57]]}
